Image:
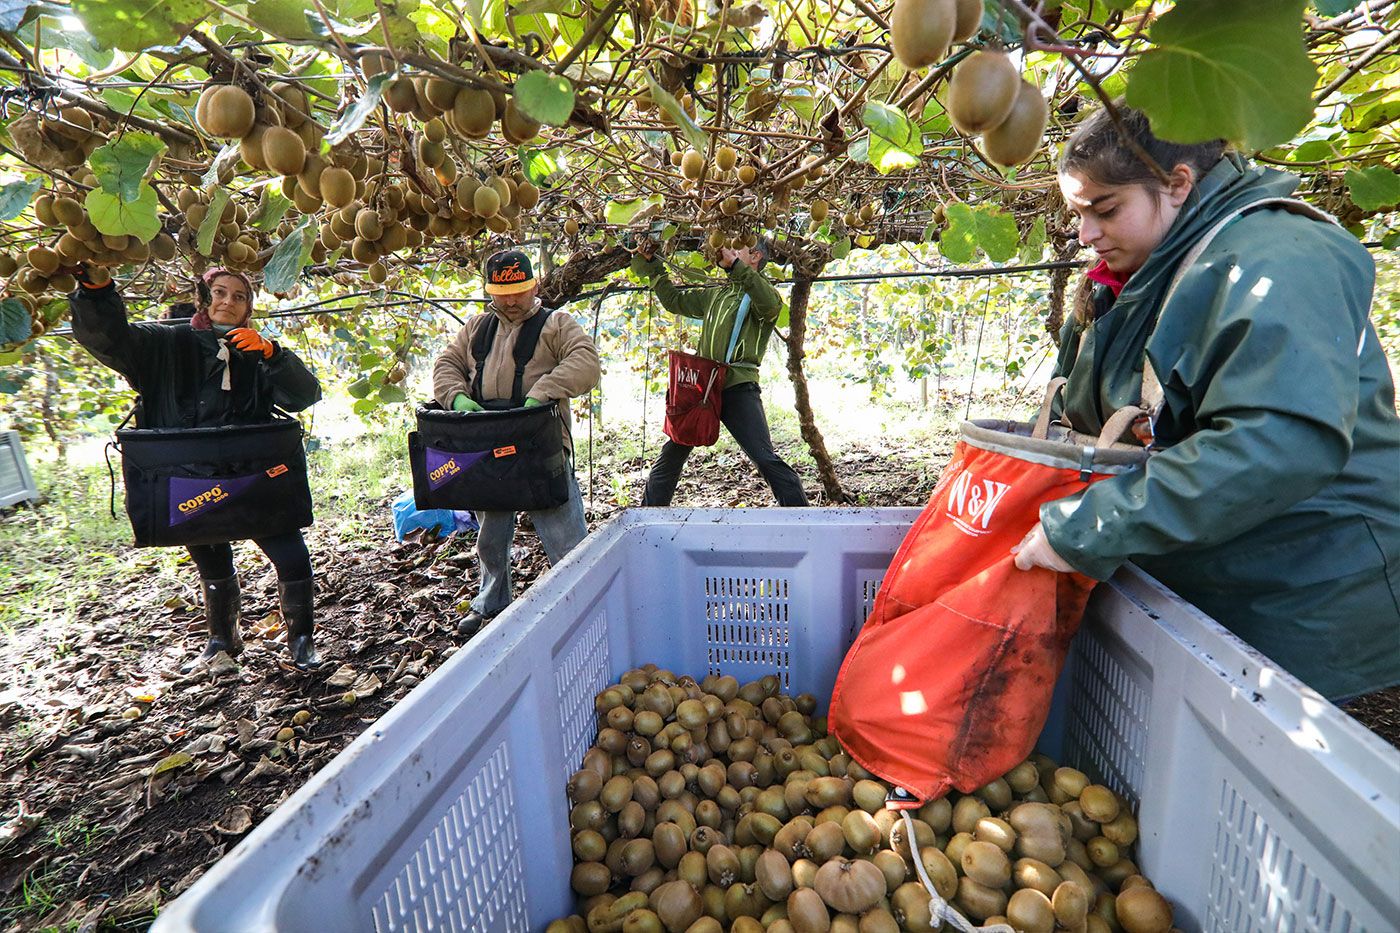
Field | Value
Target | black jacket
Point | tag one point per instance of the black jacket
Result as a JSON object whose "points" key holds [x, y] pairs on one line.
{"points": [[177, 371]]}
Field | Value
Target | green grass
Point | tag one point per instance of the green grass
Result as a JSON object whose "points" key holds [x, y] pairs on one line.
{"points": [[68, 550]]}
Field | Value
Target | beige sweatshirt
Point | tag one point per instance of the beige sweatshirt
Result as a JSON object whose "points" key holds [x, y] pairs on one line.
{"points": [[565, 364]]}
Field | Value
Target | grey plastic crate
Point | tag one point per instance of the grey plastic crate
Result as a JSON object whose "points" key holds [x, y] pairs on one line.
{"points": [[1263, 808], [16, 482]]}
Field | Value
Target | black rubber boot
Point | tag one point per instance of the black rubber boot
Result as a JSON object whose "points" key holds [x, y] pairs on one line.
{"points": [[221, 604], [298, 600]]}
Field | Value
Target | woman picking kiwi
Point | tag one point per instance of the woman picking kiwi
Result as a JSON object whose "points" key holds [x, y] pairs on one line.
{"points": [[212, 370], [1241, 326]]}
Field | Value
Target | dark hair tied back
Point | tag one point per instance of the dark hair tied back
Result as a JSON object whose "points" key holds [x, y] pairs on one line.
{"points": [[1099, 152]]}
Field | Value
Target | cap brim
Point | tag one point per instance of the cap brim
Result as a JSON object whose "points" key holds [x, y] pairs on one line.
{"points": [[513, 288]]}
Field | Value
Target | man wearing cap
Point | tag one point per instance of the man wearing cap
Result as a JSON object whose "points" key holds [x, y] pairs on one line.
{"points": [[750, 303], [564, 366]]}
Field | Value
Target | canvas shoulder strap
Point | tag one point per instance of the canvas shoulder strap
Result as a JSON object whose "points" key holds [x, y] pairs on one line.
{"points": [[525, 343], [1152, 394]]}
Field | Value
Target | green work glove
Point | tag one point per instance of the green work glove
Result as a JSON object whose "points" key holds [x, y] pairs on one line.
{"points": [[533, 403], [463, 402]]}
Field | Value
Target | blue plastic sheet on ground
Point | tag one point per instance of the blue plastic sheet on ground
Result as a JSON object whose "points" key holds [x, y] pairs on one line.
{"points": [[408, 517]]}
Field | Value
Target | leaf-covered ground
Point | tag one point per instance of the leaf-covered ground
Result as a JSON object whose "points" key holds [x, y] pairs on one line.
{"points": [[104, 817]]}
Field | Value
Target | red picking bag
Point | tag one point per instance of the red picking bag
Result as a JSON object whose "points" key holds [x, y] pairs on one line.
{"points": [[949, 682], [693, 399]]}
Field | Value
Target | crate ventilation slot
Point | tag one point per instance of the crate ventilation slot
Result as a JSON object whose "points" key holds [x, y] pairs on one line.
{"points": [[467, 874], [1108, 718], [577, 679], [747, 625], [1259, 885]]}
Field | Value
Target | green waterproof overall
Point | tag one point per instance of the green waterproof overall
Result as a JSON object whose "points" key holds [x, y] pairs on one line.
{"points": [[1273, 503]]}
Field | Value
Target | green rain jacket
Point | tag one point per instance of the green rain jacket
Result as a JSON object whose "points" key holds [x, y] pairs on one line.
{"points": [[716, 308], [1274, 502]]}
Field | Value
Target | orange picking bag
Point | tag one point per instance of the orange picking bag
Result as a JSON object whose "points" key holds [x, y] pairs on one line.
{"points": [[949, 683]]}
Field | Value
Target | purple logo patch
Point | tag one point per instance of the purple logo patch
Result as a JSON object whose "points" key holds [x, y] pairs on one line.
{"points": [[192, 497], [444, 465]]}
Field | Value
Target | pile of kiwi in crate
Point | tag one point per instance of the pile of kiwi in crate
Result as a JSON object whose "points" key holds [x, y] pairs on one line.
{"points": [[711, 806]]}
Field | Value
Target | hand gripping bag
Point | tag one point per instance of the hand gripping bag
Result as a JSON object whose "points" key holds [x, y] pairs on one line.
{"points": [[949, 682]]}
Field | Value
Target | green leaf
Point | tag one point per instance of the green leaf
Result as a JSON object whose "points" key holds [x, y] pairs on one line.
{"points": [[204, 237], [692, 132], [139, 218], [391, 394], [16, 195], [1374, 187], [353, 118], [1330, 8], [288, 258], [622, 212], [134, 25], [121, 165], [1034, 244], [545, 97], [859, 151], [539, 166], [287, 19], [1317, 150], [364, 406], [989, 228], [1235, 70], [359, 388], [171, 762], [841, 248], [13, 13], [15, 325], [895, 143], [272, 206]]}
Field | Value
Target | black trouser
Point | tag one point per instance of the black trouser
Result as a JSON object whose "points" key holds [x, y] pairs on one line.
{"points": [[741, 411], [287, 552]]}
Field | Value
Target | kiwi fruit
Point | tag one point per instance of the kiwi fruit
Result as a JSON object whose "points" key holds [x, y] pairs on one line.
{"points": [[968, 19], [486, 201], [401, 96], [250, 148], [67, 211], [517, 127], [692, 165], [527, 195], [725, 158], [435, 130], [294, 105], [337, 186], [921, 31], [474, 112], [163, 247], [43, 260], [982, 91], [283, 150], [228, 111], [747, 174], [571, 227], [441, 93], [1018, 137]]}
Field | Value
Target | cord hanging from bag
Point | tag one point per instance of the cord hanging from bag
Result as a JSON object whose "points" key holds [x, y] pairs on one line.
{"points": [[940, 910]]}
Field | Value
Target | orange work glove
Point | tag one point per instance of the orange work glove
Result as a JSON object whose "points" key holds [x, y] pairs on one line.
{"points": [[249, 340]]}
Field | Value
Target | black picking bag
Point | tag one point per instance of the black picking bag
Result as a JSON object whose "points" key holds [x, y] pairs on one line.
{"points": [[213, 485], [511, 460]]}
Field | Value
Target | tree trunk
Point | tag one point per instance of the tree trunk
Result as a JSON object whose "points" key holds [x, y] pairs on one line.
{"points": [[797, 312]]}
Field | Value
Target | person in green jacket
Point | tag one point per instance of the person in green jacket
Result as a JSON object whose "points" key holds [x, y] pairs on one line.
{"points": [[741, 404], [1272, 501]]}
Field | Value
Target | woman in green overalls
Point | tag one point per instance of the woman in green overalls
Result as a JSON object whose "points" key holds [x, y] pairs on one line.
{"points": [[1273, 500]]}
